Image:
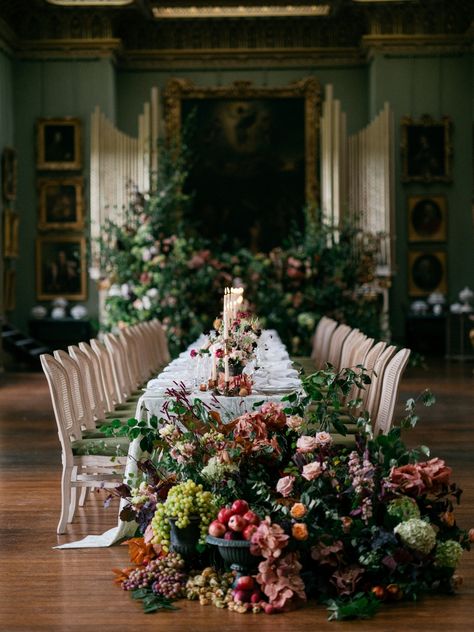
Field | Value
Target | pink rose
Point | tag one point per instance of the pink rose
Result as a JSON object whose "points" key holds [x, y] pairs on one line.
{"points": [[323, 439], [306, 444], [294, 422], [311, 471], [408, 478], [285, 485], [435, 472]]}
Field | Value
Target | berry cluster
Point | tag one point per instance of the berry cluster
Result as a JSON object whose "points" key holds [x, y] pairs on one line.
{"points": [[164, 575]]}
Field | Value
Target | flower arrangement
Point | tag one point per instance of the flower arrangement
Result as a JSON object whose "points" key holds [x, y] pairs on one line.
{"points": [[351, 524], [156, 265]]}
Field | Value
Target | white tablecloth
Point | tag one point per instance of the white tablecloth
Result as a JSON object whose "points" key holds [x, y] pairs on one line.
{"points": [[273, 378]]}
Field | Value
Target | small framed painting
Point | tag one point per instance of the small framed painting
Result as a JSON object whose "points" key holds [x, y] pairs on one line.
{"points": [[427, 218], [59, 144], [11, 224], [426, 272], [426, 149], [9, 174], [61, 203], [61, 267]]}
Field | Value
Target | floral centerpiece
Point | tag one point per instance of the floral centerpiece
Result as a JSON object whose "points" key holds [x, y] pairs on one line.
{"points": [[349, 521]]}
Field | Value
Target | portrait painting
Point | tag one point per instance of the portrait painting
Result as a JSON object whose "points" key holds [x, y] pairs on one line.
{"points": [[426, 272], [61, 267], [61, 205], [426, 150], [9, 174], [59, 144], [253, 156], [427, 218]]}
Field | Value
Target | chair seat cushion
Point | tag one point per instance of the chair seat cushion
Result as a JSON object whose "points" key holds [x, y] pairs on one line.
{"points": [[110, 446]]}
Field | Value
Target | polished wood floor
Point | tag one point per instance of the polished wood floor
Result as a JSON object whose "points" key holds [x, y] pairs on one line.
{"points": [[51, 591]]}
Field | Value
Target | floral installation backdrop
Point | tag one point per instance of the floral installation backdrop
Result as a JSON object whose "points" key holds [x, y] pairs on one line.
{"points": [[156, 265]]}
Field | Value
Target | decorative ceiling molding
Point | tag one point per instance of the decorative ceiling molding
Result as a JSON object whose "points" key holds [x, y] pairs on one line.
{"points": [[66, 48], [90, 3], [240, 11], [283, 58], [417, 44]]}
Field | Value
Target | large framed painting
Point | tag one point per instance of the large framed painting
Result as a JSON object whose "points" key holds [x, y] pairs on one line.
{"points": [[11, 227], [61, 267], [427, 218], [59, 144], [253, 157], [61, 203], [426, 149], [426, 272]]}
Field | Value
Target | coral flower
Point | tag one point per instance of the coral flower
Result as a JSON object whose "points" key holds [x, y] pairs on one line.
{"points": [[299, 531], [298, 511]]}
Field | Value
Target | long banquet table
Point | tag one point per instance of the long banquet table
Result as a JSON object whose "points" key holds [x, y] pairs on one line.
{"points": [[273, 377]]}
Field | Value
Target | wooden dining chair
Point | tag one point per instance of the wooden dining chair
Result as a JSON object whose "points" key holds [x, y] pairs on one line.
{"points": [[86, 463], [389, 392]]}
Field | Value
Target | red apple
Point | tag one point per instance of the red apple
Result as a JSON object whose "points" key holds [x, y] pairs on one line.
{"points": [[269, 609], [242, 595], [249, 531], [217, 529], [245, 582], [240, 507], [230, 535], [224, 514], [256, 597], [237, 523], [251, 518]]}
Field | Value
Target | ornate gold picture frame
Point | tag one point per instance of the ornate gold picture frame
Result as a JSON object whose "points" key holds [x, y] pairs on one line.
{"points": [[254, 156], [61, 267], [427, 218], [9, 174], [11, 227], [426, 149], [427, 272], [59, 144], [61, 203]]}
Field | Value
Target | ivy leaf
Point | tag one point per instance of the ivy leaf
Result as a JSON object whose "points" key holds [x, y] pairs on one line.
{"points": [[428, 398], [361, 606]]}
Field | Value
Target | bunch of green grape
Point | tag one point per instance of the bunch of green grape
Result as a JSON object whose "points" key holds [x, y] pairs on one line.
{"points": [[185, 501]]}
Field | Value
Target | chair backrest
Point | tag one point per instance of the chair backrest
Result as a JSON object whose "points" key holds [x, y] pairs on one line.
{"points": [[328, 331], [318, 337], [89, 352], [130, 344], [63, 406], [369, 363], [110, 388], [358, 359], [348, 346], [82, 410], [162, 340], [390, 386], [375, 388], [335, 346], [93, 392], [118, 361], [151, 331]]}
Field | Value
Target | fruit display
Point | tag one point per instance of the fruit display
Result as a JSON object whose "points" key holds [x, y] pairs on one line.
{"points": [[237, 522], [184, 502]]}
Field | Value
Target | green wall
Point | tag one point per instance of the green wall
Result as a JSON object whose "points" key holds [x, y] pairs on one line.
{"points": [[412, 85], [49, 89], [436, 86], [6, 101]]}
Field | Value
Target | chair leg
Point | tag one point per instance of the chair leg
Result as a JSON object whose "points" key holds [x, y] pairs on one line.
{"points": [[74, 497], [65, 498], [83, 496]]}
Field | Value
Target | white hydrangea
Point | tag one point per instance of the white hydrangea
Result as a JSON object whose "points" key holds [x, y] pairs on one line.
{"points": [[417, 535]]}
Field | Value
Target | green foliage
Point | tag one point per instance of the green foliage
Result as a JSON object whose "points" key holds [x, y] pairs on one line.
{"points": [[360, 606], [151, 602]]}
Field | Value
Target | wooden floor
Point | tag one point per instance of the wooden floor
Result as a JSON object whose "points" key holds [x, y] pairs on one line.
{"points": [[49, 590]]}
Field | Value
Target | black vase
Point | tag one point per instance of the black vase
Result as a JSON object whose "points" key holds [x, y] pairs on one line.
{"points": [[184, 541]]}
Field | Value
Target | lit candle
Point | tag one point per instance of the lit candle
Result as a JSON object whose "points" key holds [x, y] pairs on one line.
{"points": [[226, 368], [214, 364]]}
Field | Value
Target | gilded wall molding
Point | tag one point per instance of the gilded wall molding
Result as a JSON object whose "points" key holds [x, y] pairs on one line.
{"points": [[179, 59], [417, 44], [66, 48]]}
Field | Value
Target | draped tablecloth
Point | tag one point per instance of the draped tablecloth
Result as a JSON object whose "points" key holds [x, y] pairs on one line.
{"points": [[273, 378]]}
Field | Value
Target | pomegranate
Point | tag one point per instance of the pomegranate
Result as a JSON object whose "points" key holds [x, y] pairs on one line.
{"points": [[251, 518], [216, 529], [245, 582], [237, 523], [249, 531], [240, 507]]}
